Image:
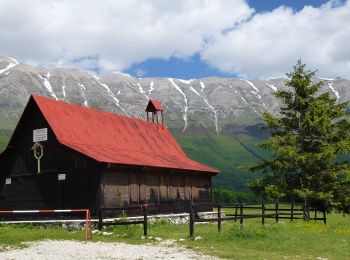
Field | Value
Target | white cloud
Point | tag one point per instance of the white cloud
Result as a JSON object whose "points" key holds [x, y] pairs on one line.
{"points": [[112, 35], [270, 43], [109, 35]]}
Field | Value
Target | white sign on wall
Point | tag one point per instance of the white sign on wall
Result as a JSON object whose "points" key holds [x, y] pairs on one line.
{"points": [[40, 135], [61, 177], [8, 181]]}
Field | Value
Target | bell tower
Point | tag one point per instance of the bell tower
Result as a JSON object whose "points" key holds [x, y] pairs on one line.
{"points": [[155, 108]]}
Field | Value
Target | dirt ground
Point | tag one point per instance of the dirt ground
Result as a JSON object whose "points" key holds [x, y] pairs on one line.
{"points": [[79, 250]]}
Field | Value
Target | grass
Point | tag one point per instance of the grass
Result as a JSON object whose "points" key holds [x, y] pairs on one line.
{"points": [[3, 142], [285, 240], [5, 135], [226, 153]]}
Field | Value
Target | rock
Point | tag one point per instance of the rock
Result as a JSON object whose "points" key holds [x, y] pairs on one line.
{"points": [[75, 226], [197, 238]]}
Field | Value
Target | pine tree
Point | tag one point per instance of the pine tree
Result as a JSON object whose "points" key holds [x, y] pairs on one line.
{"points": [[309, 142]]}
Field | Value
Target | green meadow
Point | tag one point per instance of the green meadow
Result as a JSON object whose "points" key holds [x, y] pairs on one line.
{"points": [[284, 240], [3, 142], [230, 154]]}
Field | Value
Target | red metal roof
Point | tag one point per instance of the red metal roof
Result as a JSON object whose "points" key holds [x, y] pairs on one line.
{"points": [[153, 104], [111, 138]]}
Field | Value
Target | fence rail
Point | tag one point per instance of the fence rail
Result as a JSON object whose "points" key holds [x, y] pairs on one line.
{"points": [[295, 211], [142, 207], [88, 226]]}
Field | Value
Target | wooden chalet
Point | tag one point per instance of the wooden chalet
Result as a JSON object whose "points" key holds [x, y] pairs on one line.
{"points": [[66, 156]]}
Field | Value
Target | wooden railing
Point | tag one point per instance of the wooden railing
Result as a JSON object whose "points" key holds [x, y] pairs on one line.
{"points": [[272, 211], [142, 207]]}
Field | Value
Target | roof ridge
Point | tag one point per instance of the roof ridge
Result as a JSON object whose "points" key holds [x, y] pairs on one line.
{"points": [[94, 109]]}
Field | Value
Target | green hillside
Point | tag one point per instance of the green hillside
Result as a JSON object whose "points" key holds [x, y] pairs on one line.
{"points": [[4, 138], [230, 153]]}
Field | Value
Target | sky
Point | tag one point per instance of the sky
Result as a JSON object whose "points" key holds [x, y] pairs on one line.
{"points": [[251, 39]]}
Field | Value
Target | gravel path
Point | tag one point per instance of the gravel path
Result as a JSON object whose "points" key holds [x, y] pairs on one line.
{"points": [[79, 250]]}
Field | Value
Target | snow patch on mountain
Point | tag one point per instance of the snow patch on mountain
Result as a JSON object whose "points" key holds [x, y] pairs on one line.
{"points": [[64, 90], [252, 85], [202, 85], [151, 88], [48, 85], [188, 82], [330, 85], [255, 92], [141, 90], [329, 79], [13, 60], [245, 101], [82, 91], [110, 93], [9, 66], [210, 106], [271, 86], [185, 108]]}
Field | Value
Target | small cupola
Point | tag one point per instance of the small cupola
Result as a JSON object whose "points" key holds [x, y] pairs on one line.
{"points": [[154, 107]]}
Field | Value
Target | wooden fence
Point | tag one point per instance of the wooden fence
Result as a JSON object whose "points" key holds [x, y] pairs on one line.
{"points": [[142, 207], [273, 211]]}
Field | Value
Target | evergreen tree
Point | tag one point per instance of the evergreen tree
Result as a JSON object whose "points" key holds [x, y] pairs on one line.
{"points": [[309, 141]]}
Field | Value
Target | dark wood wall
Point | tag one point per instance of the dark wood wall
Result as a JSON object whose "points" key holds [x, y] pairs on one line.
{"points": [[30, 190], [168, 189], [56, 157]]}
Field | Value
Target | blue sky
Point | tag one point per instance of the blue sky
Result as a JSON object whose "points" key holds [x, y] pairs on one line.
{"points": [[179, 38], [268, 5], [194, 67]]}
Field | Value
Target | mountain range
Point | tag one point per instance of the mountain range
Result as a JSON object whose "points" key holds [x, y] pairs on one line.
{"points": [[215, 120]]}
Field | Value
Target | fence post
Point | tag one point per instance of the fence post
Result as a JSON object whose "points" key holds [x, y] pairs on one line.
{"points": [[90, 225], [219, 218], [263, 213], [315, 214], [306, 211], [236, 212], [191, 219], [277, 213], [292, 211], [324, 216], [241, 215], [144, 207], [100, 218]]}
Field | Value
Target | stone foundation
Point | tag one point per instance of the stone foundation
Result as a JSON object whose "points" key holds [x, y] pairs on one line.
{"points": [[77, 224]]}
